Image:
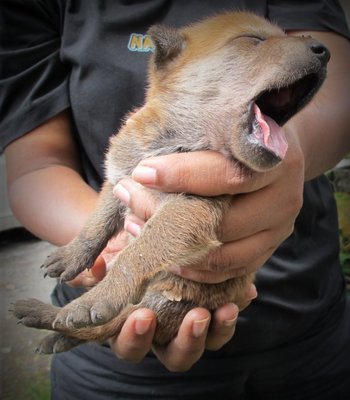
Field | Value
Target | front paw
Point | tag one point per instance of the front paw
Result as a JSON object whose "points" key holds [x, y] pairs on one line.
{"points": [[66, 262]]}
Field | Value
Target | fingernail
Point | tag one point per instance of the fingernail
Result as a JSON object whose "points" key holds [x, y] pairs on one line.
{"points": [[175, 269], [142, 326], [230, 323], [253, 293], [122, 194], [200, 327], [144, 175], [133, 229]]}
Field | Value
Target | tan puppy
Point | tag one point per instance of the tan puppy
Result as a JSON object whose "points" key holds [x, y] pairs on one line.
{"points": [[226, 84]]}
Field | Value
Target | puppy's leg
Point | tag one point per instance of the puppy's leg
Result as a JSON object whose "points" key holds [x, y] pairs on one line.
{"points": [[182, 231], [68, 261], [36, 314]]}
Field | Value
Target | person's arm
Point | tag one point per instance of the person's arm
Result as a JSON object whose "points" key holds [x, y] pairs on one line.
{"points": [[323, 127], [46, 191]]}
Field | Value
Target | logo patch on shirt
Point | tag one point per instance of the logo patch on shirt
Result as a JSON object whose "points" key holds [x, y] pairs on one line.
{"points": [[140, 43]]}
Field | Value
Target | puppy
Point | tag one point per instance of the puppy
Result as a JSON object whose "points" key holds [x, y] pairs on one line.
{"points": [[227, 84]]}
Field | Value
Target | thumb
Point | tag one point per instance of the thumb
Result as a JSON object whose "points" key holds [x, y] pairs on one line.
{"points": [[98, 270]]}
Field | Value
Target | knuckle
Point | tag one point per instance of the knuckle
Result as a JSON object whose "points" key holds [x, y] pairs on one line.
{"points": [[295, 157], [289, 230], [229, 262], [147, 212], [294, 205], [214, 346], [143, 204], [179, 366], [220, 338], [131, 354], [183, 179], [218, 261], [234, 176]]}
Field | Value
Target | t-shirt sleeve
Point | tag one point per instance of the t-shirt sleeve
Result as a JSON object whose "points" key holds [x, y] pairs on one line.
{"points": [[317, 15], [33, 80]]}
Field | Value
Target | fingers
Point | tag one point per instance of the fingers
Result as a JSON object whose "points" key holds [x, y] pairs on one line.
{"points": [[198, 331], [91, 277], [188, 346], [209, 173], [233, 259], [133, 225], [265, 209], [250, 235], [139, 199], [223, 326], [249, 253], [135, 339], [189, 172]]}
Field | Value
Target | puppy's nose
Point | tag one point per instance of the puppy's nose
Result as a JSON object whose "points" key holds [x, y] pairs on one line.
{"points": [[321, 51]]}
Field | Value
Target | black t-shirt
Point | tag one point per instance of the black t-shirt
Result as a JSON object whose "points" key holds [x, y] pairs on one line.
{"points": [[92, 56]]}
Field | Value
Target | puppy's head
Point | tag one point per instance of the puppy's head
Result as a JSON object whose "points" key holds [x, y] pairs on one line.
{"points": [[230, 82]]}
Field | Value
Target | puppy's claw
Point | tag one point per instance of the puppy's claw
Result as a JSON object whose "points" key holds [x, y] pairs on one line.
{"points": [[93, 316], [56, 323], [70, 321]]}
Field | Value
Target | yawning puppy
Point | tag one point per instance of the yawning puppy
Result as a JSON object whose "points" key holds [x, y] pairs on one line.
{"points": [[227, 84]]}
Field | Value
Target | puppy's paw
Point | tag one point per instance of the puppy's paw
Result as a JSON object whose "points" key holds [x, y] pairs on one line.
{"points": [[66, 262], [84, 312], [34, 313], [57, 343]]}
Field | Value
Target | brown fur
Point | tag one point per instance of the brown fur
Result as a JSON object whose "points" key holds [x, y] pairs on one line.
{"points": [[203, 81]]}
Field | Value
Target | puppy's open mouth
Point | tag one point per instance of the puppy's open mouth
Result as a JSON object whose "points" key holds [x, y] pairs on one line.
{"points": [[272, 108]]}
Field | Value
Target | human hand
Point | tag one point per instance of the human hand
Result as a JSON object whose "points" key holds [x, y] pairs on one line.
{"points": [[259, 224], [262, 214], [199, 331]]}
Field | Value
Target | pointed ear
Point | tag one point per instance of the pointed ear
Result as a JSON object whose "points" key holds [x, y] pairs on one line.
{"points": [[168, 44]]}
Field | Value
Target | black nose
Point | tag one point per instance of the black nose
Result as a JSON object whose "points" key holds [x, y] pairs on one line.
{"points": [[321, 51]]}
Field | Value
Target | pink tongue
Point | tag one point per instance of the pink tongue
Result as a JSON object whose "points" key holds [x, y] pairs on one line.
{"points": [[269, 133]]}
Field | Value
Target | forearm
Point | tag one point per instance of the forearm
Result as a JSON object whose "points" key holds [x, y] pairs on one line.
{"points": [[323, 127], [53, 203], [46, 190]]}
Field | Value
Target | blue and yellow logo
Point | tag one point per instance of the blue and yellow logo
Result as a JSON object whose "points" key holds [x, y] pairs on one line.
{"points": [[140, 43]]}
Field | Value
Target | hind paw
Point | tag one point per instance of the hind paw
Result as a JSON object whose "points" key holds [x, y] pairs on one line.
{"points": [[34, 313], [80, 314], [57, 343]]}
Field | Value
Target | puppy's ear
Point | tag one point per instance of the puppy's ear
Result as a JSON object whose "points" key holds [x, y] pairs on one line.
{"points": [[168, 44]]}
